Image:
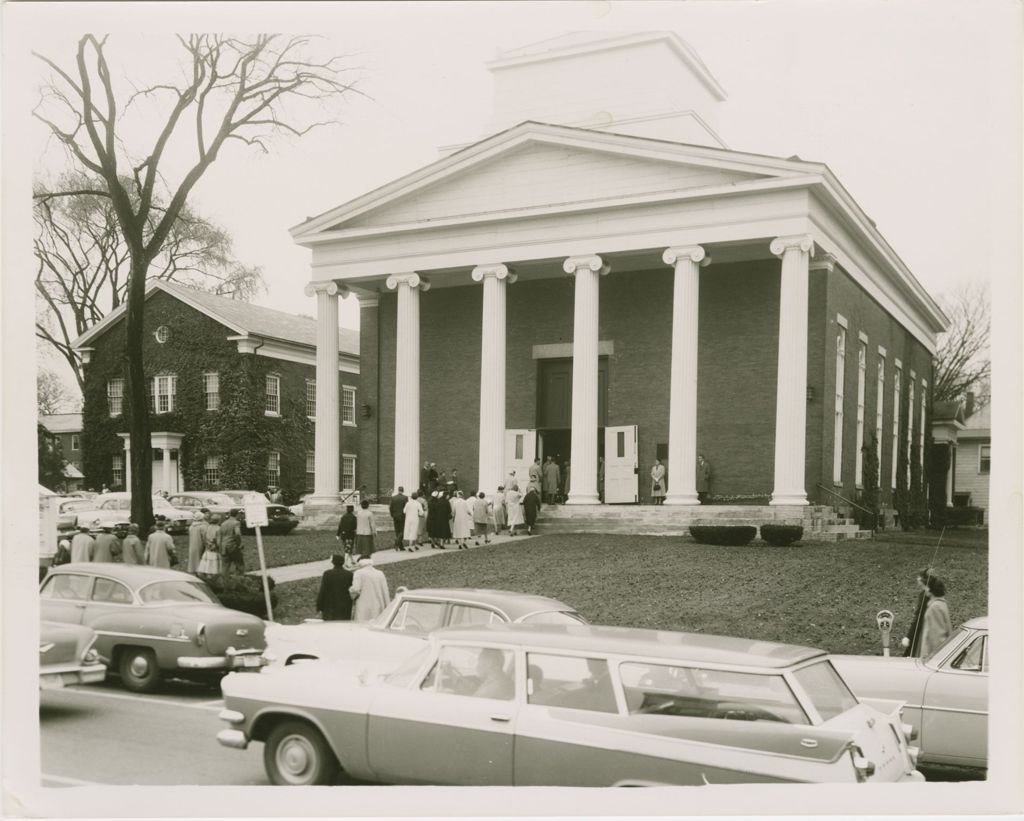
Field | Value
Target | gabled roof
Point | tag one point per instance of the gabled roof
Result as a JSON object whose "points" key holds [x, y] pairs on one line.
{"points": [[979, 422], [241, 317], [62, 422]]}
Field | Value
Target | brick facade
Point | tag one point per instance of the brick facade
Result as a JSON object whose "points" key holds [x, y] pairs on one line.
{"points": [[240, 432]]}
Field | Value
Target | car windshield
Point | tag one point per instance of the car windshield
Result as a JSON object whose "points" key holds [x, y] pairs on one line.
{"points": [[956, 638], [826, 689], [178, 592], [402, 675], [554, 617], [77, 504], [161, 503]]}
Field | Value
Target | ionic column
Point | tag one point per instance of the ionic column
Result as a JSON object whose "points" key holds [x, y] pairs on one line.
{"points": [[165, 467], [327, 445], [583, 445], [407, 378], [791, 386], [491, 469], [682, 411], [127, 438]]}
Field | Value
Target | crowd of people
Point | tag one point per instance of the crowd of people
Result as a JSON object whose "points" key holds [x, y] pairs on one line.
{"points": [[214, 545]]}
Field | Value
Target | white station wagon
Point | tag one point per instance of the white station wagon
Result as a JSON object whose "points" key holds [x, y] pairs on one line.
{"points": [[576, 705]]}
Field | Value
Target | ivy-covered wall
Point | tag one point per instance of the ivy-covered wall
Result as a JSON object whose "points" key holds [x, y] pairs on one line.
{"points": [[240, 432]]}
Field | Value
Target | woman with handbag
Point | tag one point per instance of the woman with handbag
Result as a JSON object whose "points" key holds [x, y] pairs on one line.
{"points": [[658, 482]]}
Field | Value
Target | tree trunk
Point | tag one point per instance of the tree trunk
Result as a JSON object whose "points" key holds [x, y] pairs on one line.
{"points": [[138, 426]]}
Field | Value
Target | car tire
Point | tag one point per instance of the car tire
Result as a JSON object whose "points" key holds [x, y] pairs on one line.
{"points": [[296, 754], [139, 670]]}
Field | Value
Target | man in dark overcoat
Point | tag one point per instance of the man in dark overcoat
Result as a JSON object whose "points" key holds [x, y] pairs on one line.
{"points": [[334, 602], [397, 510]]}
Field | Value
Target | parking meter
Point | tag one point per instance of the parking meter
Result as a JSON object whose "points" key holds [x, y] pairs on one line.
{"points": [[884, 620]]}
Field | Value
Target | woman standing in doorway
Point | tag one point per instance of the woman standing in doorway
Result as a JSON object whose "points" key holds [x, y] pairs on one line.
{"points": [[658, 482]]}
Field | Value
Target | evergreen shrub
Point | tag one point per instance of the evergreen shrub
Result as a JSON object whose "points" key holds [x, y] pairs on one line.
{"points": [[781, 535], [726, 535]]}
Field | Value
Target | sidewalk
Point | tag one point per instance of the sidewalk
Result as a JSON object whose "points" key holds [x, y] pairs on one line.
{"points": [[314, 570]]}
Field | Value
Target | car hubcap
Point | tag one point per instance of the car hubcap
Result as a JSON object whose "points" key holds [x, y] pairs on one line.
{"points": [[296, 759], [139, 667]]}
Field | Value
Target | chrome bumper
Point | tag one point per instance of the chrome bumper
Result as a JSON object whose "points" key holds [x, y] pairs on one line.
{"points": [[233, 738], [90, 674], [240, 660]]}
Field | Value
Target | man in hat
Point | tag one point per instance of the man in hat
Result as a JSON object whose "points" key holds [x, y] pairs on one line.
{"points": [[82, 545], [106, 547], [230, 538], [160, 547], [334, 602], [132, 550], [369, 591], [195, 541]]}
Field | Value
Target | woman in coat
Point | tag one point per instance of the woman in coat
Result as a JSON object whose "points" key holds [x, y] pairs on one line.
{"points": [[366, 529], [658, 482], [513, 510], [498, 505], [413, 513], [195, 542], [937, 624], [444, 519], [531, 507]]}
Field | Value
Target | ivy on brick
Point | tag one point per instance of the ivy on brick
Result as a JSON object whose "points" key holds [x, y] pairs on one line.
{"points": [[240, 432]]}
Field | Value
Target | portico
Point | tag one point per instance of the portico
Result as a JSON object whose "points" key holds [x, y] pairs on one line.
{"points": [[457, 274]]}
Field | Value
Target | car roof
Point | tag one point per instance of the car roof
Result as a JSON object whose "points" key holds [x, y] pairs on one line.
{"points": [[515, 605], [134, 575], [694, 648], [977, 623]]}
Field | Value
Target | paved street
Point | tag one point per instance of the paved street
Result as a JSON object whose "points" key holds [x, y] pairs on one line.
{"points": [[103, 734]]}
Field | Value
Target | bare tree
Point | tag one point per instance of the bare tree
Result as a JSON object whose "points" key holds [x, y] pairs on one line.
{"points": [[228, 89], [962, 363], [51, 394], [82, 261]]}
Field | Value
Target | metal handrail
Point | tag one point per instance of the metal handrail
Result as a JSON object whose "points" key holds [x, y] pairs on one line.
{"points": [[850, 502]]}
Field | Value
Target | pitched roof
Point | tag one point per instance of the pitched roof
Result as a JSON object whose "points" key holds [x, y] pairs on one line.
{"points": [[241, 317], [980, 419], [62, 422], [951, 411]]}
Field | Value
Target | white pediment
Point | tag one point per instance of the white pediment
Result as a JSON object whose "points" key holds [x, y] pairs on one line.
{"points": [[538, 171]]}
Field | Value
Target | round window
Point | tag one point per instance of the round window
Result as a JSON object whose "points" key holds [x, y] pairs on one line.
{"points": [[163, 333]]}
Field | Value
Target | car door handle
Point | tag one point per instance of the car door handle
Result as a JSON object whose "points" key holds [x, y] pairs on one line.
{"points": [[499, 717]]}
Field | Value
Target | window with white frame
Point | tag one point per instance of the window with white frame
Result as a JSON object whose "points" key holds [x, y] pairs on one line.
{"points": [[115, 396], [348, 405], [348, 472], [211, 387], [837, 447], [862, 376], [879, 408], [311, 398], [117, 469], [76, 441], [897, 378], [310, 470], [984, 458], [273, 468], [273, 395], [910, 422], [162, 390], [212, 471], [921, 427]]}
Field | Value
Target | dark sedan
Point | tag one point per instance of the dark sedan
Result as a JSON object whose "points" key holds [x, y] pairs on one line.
{"points": [[280, 519]]}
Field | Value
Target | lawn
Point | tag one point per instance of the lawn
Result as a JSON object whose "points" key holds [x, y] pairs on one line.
{"points": [[295, 548], [822, 595]]}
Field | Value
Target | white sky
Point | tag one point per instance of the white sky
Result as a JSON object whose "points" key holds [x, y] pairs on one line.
{"points": [[897, 97]]}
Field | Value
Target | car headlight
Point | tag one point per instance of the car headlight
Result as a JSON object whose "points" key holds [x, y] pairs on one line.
{"points": [[91, 657]]}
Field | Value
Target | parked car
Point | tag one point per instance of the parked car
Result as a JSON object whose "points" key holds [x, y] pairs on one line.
{"points": [[116, 509], [946, 694], [198, 499], [571, 705], [68, 510], [403, 626], [152, 622], [280, 520], [67, 655]]}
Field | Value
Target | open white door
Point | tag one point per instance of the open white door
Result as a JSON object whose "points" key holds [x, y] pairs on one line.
{"points": [[520, 451], [620, 465]]}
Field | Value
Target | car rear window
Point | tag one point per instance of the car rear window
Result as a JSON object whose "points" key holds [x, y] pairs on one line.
{"points": [[176, 591], [692, 692], [826, 689]]}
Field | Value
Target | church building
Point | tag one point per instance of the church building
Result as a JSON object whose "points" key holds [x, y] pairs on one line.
{"points": [[600, 277]]}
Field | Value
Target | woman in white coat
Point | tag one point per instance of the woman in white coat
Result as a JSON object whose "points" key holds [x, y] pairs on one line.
{"points": [[514, 510], [413, 513]]}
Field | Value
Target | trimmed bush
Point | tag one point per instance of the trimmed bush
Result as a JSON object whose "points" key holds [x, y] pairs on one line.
{"points": [[243, 593], [961, 517], [781, 535], [726, 535]]}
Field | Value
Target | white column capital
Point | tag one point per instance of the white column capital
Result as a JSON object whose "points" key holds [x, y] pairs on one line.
{"points": [[330, 287], [499, 272], [823, 261], [589, 262], [800, 242], [412, 279], [693, 253]]}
